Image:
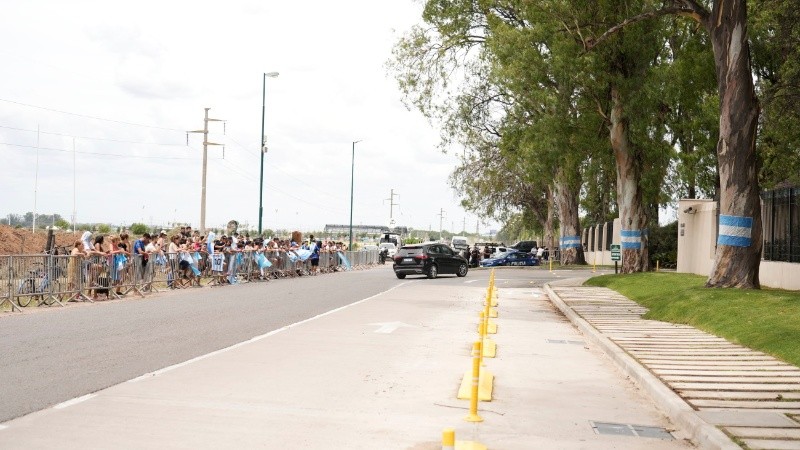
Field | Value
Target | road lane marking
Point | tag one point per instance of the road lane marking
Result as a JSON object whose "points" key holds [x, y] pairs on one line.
{"points": [[74, 401], [388, 327], [257, 338]]}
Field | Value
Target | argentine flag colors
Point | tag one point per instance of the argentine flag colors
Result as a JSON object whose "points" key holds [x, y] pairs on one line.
{"points": [[631, 239], [570, 241], [735, 231]]}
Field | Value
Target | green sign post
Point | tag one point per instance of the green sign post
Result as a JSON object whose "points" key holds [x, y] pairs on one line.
{"points": [[615, 255]]}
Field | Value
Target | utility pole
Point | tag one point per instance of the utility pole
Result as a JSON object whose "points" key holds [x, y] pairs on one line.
{"points": [[205, 166], [441, 218], [477, 222], [391, 207], [464, 226]]}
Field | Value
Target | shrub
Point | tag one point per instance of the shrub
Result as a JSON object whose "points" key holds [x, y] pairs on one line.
{"points": [[138, 229], [664, 246]]}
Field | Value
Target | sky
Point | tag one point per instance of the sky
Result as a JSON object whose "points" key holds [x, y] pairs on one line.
{"points": [[112, 88]]}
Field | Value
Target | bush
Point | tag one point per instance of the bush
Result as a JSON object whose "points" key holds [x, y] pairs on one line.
{"points": [[664, 246], [103, 228], [138, 229]]}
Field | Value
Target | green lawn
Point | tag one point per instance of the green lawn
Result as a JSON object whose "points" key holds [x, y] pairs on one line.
{"points": [[767, 320]]}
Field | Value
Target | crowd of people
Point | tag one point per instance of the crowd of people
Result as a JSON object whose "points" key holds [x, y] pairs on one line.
{"points": [[186, 255]]}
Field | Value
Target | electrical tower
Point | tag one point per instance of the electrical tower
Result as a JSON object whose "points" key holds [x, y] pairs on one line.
{"points": [[392, 204], [205, 166]]}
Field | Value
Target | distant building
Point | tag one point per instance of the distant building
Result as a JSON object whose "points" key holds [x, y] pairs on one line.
{"points": [[362, 229]]}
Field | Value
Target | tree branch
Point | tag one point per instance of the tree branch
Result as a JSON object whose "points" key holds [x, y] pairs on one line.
{"points": [[690, 9]]}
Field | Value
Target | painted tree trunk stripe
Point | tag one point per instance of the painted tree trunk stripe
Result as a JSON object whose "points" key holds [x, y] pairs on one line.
{"points": [[631, 239], [735, 231], [734, 241], [570, 242]]}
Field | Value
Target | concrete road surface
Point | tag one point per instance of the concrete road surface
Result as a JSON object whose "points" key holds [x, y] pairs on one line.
{"points": [[380, 372]]}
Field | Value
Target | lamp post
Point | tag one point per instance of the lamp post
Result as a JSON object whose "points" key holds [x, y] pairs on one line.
{"points": [[352, 176], [263, 148]]}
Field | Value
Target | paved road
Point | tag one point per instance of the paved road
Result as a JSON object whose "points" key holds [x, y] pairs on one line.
{"points": [[56, 354], [53, 355], [343, 380]]}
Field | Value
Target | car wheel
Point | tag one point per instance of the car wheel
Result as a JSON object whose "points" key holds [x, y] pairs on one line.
{"points": [[400, 275], [462, 270], [433, 272]]}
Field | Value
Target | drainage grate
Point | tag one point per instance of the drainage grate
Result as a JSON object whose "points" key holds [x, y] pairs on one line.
{"points": [[564, 341], [624, 429]]}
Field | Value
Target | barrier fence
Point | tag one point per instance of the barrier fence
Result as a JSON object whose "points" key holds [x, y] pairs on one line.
{"points": [[58, 279]]}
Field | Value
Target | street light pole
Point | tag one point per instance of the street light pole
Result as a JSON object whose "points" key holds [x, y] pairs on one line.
{"points": [[263, 148], [352, 176]]}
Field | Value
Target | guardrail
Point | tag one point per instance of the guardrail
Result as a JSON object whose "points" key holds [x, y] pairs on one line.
{"points": [[56, 279]]}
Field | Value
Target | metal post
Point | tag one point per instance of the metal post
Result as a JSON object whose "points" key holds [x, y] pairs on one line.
{"points": [[261, 179], [263, 149], [205, 165], [352, 177]]}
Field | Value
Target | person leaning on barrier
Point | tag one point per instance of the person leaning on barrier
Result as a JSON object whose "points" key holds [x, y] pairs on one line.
{"points": [[140, 252], [314, 246], [74, 267]]}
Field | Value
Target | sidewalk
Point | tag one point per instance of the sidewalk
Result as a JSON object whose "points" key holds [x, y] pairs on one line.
{"points": [[705, 383], [380, 373]]}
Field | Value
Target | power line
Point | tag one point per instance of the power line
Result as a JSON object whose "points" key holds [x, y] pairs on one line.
{"points": [[91, 138], [96, 153], [293, 177], [92, 117]]}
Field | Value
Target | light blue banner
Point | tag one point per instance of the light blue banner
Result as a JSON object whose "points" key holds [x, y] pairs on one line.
{"points": [[735, 231], [631, 239], [570, 241]]}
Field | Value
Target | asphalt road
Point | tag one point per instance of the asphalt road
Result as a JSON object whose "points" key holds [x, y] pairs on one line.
{"points": [[56, 354]]}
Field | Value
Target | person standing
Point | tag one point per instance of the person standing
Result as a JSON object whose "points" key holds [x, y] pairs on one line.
{"points": [[313, 245], [140, 254]]}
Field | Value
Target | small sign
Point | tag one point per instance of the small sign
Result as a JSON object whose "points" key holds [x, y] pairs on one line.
{"points": [[615, 256]]}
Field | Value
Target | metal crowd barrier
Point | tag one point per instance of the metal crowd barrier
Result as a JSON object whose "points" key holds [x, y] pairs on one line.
{"points": [[58, 279]]}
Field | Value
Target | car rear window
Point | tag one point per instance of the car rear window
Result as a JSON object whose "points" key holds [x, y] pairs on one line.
{"points": [[410, 251]]}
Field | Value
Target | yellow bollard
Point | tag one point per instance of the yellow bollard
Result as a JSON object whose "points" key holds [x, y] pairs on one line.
{"points": [[551, 265], [482, 333], [476, 373], [448, 439], [594, 265], [656, 265]]}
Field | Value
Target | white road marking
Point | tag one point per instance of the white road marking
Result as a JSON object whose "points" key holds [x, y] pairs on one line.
{"points": [[256, 338], [74, 401], [388, 327], [471, 281], [3, 427]]}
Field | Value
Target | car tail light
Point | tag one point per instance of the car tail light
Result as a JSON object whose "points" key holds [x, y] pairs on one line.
{"points": [[423, 256]]}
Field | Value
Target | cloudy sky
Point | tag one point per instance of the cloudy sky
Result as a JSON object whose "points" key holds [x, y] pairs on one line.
{"points": [[123, 82]]}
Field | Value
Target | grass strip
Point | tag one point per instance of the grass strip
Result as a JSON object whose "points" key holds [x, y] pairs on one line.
{"points": [[767, 320]]}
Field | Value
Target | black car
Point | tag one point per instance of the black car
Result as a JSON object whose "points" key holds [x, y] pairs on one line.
{"points": [[430, 260], [524, 246]]}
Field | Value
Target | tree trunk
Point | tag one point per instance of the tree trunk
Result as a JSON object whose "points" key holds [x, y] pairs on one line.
{"points": [[629, 197], [738, 255], [549, 227], [566, 198]]}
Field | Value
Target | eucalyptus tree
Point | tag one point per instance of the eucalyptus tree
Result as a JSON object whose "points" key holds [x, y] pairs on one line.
{"points": [[775, 37], [527, 110], [738, 255], [690, 111]]}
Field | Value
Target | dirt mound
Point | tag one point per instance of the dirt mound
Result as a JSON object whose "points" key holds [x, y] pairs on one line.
{"points": [[21, 241]]}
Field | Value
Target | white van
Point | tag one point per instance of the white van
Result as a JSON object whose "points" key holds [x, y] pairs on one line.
{"points": [[459, 243]]}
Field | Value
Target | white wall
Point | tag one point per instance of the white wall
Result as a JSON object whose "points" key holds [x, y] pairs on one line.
{"points": [[697, 237]]}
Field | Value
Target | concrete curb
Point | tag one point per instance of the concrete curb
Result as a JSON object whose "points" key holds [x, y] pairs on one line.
{"points": [[701, 432]]}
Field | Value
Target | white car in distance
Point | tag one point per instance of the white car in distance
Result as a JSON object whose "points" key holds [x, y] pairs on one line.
{"points": [[390, 247]]}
